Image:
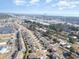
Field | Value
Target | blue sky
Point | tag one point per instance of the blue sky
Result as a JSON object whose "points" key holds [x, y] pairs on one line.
{"points": [[49, 7]]}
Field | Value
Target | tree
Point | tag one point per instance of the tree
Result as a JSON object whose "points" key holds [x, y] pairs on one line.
{"points": [[49, 50], [71, 40], [56, 27], [52, 27], [72, 49], [55, 40], [30, 51], [32, 27]]}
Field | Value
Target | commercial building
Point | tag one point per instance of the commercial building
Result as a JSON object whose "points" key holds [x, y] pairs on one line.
{"points": [[7, 41]]}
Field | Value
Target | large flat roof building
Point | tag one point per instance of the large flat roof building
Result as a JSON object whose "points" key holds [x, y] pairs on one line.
{"points": [[8, 35], [7, 32], [6, 29]]}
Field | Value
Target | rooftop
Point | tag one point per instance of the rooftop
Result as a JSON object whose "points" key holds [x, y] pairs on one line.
{"points": [[6, 29]]}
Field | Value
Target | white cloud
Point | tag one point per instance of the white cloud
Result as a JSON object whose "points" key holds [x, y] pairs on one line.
{"points": [[48, 1], [75, 2], [33, 2], [67, 4], [63, 4], [19, 2]]}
